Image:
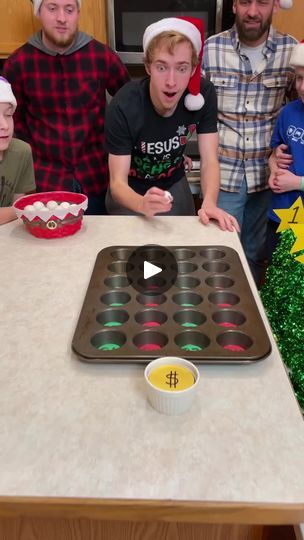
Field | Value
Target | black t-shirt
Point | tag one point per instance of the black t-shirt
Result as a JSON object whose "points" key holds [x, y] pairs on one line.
{"points": [[155, 143]]}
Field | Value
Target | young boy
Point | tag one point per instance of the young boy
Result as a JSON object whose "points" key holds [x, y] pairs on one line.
{"points": [[287, 183], [16, 163], [149, 122]]}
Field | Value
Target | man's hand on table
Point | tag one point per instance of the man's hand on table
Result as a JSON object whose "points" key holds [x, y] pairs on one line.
{"points": [[226, 221]]}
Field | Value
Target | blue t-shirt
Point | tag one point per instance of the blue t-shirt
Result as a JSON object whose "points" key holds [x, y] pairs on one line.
{"points": [[289, 130]]}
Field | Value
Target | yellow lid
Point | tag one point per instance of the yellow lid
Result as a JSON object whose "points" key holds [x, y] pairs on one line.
{"points": [[172, 377]]}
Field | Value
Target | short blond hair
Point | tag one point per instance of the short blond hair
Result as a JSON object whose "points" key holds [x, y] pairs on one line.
{"points": [[169, 39]]}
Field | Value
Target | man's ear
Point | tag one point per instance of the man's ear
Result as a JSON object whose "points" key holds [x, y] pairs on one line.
{"points": [[233, 7], [147, 68]]}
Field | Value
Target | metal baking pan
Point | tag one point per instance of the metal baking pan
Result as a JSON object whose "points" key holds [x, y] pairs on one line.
{"points": [[207, 315]]}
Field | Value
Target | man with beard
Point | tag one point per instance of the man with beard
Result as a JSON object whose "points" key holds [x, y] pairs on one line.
{"points": [[249, 66], [60, 78]]}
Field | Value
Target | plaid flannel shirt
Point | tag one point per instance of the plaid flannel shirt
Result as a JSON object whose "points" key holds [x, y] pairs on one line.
{"points": [[61, 107], [248, 104]]}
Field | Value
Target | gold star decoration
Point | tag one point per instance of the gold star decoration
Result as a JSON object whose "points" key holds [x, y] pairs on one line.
{"points": [[291, 216]]}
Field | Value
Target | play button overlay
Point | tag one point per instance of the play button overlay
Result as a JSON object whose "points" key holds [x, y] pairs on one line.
{"points": [[151, 269]]}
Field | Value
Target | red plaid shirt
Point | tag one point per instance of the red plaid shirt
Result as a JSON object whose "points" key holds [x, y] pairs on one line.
{"points": [[61, 106]]}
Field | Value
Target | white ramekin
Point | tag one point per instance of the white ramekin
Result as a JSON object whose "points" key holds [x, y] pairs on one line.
{"points": [[166, 401]]}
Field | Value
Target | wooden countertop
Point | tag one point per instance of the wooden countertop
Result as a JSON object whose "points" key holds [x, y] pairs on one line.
{"points": [[82, 438]]}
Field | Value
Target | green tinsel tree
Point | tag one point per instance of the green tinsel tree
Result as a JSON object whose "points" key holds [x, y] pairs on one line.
{"points": [[283, 299]]}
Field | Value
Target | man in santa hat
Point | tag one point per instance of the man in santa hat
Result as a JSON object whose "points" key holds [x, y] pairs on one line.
{"points": [[249, 65], [149, 122]]}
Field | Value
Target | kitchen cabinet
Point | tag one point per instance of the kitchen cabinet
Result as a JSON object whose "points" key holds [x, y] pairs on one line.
{"points": [[291, 20]]}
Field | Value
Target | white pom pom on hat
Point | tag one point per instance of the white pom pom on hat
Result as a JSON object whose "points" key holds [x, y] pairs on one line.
{"points": [[286, 4], [297, 55], [6, 93], [193, 29], [37, 4]]}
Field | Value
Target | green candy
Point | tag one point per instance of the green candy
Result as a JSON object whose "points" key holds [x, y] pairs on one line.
{"points": [[192, 348], [108, 347]]}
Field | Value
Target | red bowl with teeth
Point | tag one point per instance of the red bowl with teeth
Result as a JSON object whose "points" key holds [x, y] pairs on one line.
{"points": [[59, 214]]}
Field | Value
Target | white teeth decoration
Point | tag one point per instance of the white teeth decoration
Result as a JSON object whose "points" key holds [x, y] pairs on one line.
{"points": [[59, 210], [74, 208]]}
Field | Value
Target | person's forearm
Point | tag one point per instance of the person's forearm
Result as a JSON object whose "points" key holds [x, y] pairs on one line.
{"points": [[272, 162], [126, 196], [7, 213], [210, 182]]}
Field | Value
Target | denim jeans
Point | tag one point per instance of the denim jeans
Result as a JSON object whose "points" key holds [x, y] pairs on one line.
{"points": [[96, 205], [272, 238], [250, 210]]}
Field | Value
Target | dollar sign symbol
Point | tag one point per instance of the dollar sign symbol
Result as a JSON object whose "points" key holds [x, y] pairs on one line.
{"points": [[173, 380]]}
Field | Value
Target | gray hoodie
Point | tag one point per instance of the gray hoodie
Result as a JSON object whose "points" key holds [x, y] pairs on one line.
{"points": [[80, 41]]}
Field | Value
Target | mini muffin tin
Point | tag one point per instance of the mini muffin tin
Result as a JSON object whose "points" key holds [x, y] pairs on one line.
{"points": [[208, 315]]}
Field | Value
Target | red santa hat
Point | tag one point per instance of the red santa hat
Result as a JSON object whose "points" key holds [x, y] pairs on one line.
{"points": [[297, 55], [6, 93], [286, 4], [193, 29], [37, 4]]}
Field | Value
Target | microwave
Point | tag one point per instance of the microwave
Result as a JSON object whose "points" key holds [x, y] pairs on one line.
{"points": [[128, 19]]}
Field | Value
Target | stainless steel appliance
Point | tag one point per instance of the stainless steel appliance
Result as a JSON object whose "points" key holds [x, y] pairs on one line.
{"points": [[127, 20]]}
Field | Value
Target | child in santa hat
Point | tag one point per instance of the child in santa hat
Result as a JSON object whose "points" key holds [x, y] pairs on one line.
{"points": [[287, 180], [149, 122], [16, 163]]}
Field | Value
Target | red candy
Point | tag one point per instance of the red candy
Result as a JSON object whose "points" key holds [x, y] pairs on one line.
{"points": [[150, 347], [235, 348]]}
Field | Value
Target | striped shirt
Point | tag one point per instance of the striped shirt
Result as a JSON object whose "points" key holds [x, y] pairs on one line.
{"points": [[248, 104]]}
